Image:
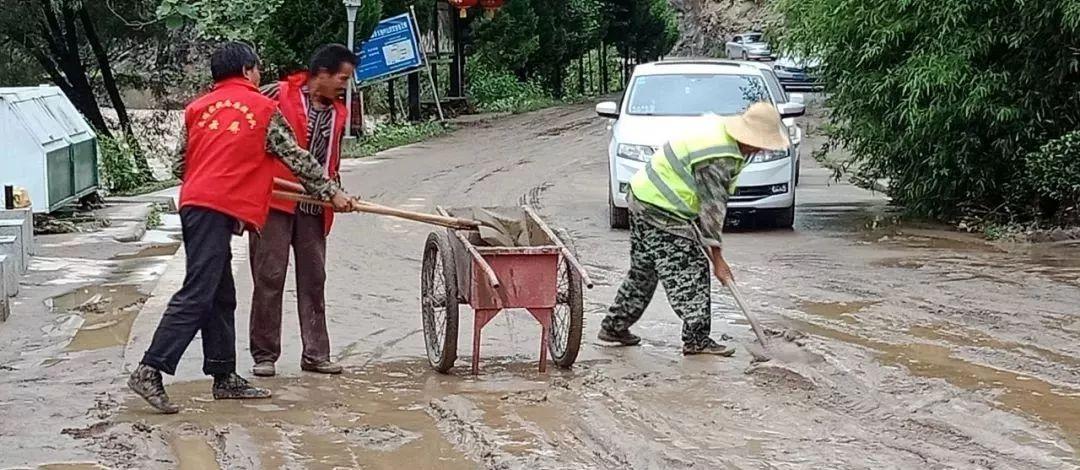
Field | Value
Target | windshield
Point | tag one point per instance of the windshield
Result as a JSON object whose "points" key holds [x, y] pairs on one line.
{"points": [[752, 38], [695, 94]]}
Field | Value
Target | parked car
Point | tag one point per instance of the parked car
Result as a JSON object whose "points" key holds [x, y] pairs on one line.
{"points": [[795, 133], [667, 98], [749, 46], [797, 74]]}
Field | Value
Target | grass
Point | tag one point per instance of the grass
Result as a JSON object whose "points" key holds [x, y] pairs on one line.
{"points": [[153, 218], [388, 136]]}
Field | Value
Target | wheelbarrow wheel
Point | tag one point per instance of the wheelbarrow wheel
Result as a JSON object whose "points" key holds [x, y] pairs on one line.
{"points": [[439, 302], [568, 319]]}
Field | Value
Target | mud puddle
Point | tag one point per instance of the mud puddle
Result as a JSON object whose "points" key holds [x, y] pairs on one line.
{"points": [[1010, 391], [378, 417], [151, 251], [960, 336], [193, 453], [841, 311], [845, 218], [108, 311], [72, 466], [977, 257]]}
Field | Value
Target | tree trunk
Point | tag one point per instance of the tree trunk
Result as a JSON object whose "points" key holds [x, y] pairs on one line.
{"points": [[581, 74], [603, 68], [63, 44], [113, 90], [391, 99], [109, 81]]}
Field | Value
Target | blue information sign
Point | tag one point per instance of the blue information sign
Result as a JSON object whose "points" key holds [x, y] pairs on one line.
{"points": [[392, 49]]}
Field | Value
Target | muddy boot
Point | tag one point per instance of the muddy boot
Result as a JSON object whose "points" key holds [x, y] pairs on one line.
{"points": [[264, 369], [324, 367], [233, 387], [146, 382], [708, 347], [625, 337]]}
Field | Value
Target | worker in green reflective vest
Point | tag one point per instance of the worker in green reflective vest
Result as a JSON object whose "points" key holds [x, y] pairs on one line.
{"points": [[678, 202]]}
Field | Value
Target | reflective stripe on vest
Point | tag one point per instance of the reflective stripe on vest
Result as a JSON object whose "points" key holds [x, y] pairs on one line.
{"points": [[667, 180]]}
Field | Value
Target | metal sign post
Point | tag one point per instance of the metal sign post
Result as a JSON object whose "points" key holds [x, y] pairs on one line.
{"points": [[351, 8]]}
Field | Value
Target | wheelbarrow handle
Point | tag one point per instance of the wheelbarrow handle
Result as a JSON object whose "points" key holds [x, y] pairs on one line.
{"points": [[566, 253], [489, 272]]}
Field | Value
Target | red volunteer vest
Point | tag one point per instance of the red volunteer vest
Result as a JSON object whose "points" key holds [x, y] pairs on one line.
{"points": [[293, 105], [227, 168]]}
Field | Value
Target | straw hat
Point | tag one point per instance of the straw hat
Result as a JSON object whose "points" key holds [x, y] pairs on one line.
{"points": [[759, 126]]}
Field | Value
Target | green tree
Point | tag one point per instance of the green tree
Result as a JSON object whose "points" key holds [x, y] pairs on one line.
{"points": [[19, 69], [285, 32], [507, 41], [945, 98], [73, 42]]}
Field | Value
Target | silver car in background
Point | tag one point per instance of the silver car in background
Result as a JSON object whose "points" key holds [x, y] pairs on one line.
{"points": [[749, 46]]}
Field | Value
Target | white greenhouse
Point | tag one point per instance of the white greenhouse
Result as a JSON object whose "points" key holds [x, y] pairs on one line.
{"points": [[46, 146]]}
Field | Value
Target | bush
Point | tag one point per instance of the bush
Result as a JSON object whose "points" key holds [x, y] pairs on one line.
{"points": [[496, 91], [387, 136], [1053, 173], [946, 98], [119, 172]]}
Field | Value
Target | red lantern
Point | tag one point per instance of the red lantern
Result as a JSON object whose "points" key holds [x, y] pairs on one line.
{"points": [[463, 6], [490, 6]]}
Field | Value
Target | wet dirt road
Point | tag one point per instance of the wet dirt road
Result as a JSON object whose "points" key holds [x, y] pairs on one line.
{"points": [[926, 349]]}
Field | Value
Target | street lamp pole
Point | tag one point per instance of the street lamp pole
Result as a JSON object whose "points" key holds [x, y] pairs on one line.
{"points": [[351, 8]]}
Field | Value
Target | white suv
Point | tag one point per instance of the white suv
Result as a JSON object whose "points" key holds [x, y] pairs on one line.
{"points": [[667, 98]]}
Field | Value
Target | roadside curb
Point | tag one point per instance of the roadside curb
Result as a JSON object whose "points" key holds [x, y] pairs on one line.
{"points": [[142, 329], [170, 280]]}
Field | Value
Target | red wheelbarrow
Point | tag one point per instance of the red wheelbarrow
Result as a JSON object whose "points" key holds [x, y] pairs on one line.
{"points": [[544, 278]]}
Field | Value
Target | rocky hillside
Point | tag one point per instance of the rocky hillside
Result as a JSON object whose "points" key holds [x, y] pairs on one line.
{"points": [[705, 25]]}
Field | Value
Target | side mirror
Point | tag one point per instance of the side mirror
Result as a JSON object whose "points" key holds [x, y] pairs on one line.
{"points": [[790, 110], [797, 98], [608, 109]]}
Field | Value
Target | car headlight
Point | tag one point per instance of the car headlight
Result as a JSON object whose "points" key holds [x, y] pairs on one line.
{"points": [[641, 153], [768, 156]]}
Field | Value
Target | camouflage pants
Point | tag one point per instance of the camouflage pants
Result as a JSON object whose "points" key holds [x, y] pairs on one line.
{"points": [[658, 256]]}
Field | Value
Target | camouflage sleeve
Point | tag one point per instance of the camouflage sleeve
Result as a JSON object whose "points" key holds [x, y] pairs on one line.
{"points": [[281, 141], [178, 163], [716, 182]]}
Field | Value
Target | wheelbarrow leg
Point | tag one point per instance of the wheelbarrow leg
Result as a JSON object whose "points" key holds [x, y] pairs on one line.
{"points": [[543, 315], [483, 316]]}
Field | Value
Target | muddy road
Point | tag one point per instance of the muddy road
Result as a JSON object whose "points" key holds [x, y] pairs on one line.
{"points": [[924, 348]]}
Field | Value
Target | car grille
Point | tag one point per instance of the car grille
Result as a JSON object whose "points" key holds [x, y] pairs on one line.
{"points": [[753, 193]]}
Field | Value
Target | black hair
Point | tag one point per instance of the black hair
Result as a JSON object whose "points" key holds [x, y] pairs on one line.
{"points": [[231, 60], [329, 58]]}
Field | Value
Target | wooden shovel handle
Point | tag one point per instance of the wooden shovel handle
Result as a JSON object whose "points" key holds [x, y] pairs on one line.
{"points": [[449, 222], [289, 185]]}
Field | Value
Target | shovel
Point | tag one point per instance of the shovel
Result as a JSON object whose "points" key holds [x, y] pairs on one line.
{"points": [[761, 355]]}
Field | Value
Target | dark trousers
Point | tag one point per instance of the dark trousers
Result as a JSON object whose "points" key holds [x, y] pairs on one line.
{"points": [[269, 263], [207, 301]]}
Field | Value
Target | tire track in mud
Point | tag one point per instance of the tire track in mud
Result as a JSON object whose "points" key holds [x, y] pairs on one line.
{"points": [[921, 430], [461, 423]]}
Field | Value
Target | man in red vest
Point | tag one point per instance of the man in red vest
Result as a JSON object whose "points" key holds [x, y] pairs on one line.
{"points": [[232, 136], [311, 102]]}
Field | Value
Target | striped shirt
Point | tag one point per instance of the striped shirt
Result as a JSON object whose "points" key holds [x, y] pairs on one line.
{"points": [[320, 128]]}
